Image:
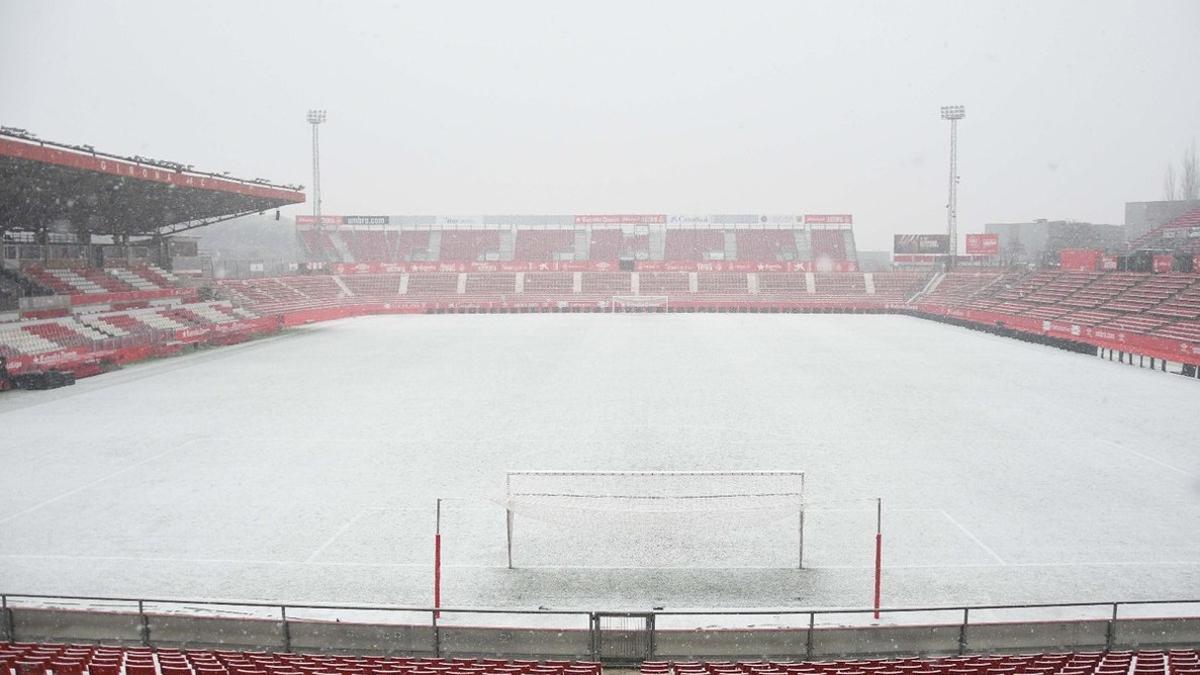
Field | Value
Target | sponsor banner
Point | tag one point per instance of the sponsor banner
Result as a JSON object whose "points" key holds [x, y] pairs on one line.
{"points": [[782, 219], [621, 219], [1163, 263], [745, 266], [685, 220], [460, 220], [365, 220], [1196, 263], [343, 220], [829, 219], [917, 259], [1108, 263], [983, 244], [595, 266], [222, 330], [921, 244], [1079, 259], [498, 266], [325, 220]]}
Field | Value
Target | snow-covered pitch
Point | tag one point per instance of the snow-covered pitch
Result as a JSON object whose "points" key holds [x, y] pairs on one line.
{"points": [[305, 467]]}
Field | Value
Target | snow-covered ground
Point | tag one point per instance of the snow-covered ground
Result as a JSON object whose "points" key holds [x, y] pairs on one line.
{"points": [[305, 467]]}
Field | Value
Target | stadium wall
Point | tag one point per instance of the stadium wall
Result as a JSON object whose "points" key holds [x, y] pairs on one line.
{"points": [[567, 634]]}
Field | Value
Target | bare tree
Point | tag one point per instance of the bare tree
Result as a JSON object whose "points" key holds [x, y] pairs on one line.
{"points": [[1169, 191], [1189, 175]]}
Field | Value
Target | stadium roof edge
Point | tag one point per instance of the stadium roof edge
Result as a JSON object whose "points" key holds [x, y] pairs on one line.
{"points": [[24, 146]]}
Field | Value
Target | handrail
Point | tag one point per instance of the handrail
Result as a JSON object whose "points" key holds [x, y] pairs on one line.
{"points": [[594, 631], [659, 612]]}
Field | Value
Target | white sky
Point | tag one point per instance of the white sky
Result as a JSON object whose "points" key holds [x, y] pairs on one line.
{"points": [[1073, 108]]}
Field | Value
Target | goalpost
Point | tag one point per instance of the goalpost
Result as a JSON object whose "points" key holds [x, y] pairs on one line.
{"points": [[640, 303], [637, 497]]}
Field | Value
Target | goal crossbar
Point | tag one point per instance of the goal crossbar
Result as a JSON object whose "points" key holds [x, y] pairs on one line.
{"points": [[686, 491]]}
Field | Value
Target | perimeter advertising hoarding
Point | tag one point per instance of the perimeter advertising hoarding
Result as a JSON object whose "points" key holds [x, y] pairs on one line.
{"points": [[921, 244]]}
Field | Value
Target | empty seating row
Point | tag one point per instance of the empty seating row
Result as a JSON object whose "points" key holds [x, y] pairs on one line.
{"points": [[26, 338], [1151, 304], [58, 659], [284, 294], [80, 280], [1173, 662], [608, 244]]}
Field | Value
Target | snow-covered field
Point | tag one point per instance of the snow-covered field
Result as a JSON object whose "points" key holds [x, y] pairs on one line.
{"points": [[306, 467]]}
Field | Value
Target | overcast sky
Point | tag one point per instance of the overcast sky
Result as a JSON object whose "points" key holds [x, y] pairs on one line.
{"points": [[1073, 108]]}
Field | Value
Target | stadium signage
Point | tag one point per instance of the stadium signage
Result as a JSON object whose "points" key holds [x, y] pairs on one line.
{"points": [[921, 244], [983, 244], [344, 220], [365, 220], [460, 220], [781, 219], [312, 220], [1181, 233], [829, 219], [621, 219]]}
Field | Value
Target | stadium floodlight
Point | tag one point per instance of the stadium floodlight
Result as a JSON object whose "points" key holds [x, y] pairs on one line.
{"points": [[315, 118], [953, 113]]}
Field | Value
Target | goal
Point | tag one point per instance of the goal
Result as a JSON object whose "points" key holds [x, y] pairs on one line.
{"points": [[640, 303], [677, 504]]}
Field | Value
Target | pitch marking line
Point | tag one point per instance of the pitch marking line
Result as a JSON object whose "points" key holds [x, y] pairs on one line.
{"points": [[97, 481], [351, 522], [340, 531], [973, 538], [1149, 458]]}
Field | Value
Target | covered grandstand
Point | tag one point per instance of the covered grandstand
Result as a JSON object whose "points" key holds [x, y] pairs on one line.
{"points": [[85, 282], [647, 242]]}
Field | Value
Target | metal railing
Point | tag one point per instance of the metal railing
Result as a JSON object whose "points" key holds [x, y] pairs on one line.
{"points": [[438, 620]]}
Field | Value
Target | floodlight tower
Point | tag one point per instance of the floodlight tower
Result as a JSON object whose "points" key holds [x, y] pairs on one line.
{"points": [[954, 113], [315, 117]]}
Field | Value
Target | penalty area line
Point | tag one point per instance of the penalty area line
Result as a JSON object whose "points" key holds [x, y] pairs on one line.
{"points": [[973, 538], [96, 481]]}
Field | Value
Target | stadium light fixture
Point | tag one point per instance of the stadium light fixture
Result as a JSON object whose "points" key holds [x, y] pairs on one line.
{"points": [[953, 113], [315, 118]]}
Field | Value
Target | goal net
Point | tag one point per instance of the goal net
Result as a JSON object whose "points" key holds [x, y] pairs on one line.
{"points": [[686, 516], [640, 303]]}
